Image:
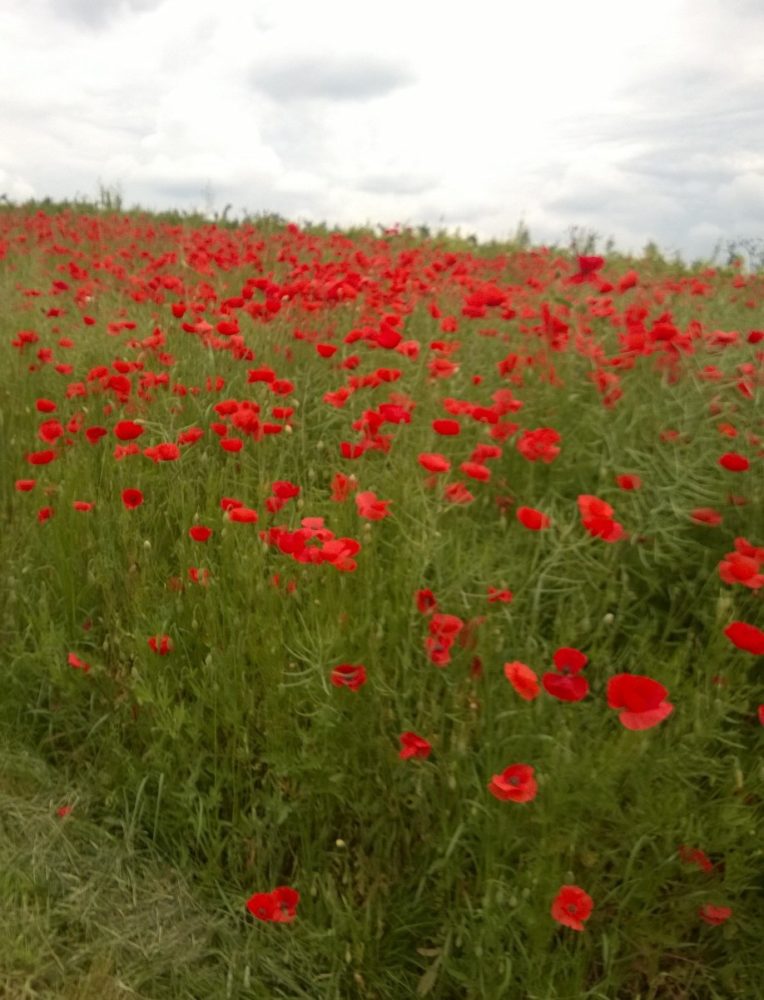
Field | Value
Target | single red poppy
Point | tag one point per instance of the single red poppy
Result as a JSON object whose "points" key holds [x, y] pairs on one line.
{"points": [[132, 498], [515, 784], [640, 699], [746, 637], [349, 675], [572, 906], [714, 915], [128, 430], [413, 745], [733, 461], [160, 644], [532, 519], [523, 679], [200, 533]]}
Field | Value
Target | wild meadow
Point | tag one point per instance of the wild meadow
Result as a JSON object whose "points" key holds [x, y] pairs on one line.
{"points": [[381, 616]]}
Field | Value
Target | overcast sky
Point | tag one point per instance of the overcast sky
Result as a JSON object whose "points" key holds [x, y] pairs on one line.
{"points": [[637, 120]]}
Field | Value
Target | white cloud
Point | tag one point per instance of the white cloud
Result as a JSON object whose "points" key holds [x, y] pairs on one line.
{"points": [[635, 123]]}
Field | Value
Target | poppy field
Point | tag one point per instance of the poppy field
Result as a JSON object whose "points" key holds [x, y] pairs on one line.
{"points": [[381, 615]]}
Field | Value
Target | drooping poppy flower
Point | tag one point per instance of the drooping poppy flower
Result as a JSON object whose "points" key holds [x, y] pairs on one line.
{"points": [[132, 498], [349, 675], [278, 906], [714, 915], [746, 637], [370, 506], [515, 784], [572, 906], [199, 533], [413, 745], [640, 699], [522, 679]]}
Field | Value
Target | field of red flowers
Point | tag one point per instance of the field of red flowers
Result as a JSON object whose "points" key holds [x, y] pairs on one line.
{"points": [[381, 616]]}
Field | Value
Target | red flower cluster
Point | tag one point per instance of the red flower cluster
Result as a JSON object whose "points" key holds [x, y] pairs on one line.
{"points": [[597, 518], [278, 906]]}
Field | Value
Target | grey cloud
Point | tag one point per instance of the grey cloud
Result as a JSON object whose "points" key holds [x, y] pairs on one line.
{"points": [[335, 78], [97, 13]]}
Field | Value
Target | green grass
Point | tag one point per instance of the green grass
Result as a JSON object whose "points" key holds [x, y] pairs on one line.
{"points": [[232, 765]]}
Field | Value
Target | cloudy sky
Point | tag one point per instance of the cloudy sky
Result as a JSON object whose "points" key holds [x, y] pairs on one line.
{"points": [[636, 120]]}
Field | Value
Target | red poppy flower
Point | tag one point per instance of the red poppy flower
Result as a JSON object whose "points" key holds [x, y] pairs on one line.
{"points": [[458, 493], [476, 471], [746, 637], [278, 906], [732, 461], [94, 434], [694, 856], [343, 486], [83, 505], [45, 514], [532, 519], [434, 462], [132, 498], [74, 661], [40, 457], [572, 906], [25, 485], [446, 428], [706, 515], [564, 687], [231, 444], [45, 406], [242, 515], [628, 482], [496, 596], [515, 784], [160, 644], [414, 746], [714, 915], [349, 675], [370, 507], [743, 569], [426, 602], [569, 660], [200, 533], [540, 444], [641, 699], [522, 679], [128, 430]]}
